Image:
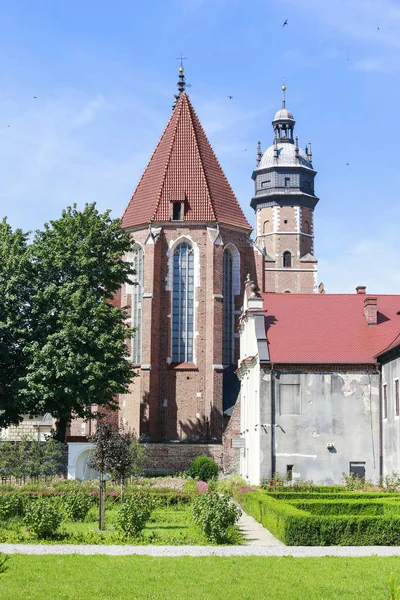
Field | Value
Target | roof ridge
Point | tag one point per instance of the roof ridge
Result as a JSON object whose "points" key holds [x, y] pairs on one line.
{"points": [[190, 107], [171, 146], [148, 164], [218, 164]]}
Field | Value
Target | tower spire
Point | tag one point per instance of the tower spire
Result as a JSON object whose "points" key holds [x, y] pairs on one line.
{"points": [[181, 80]]}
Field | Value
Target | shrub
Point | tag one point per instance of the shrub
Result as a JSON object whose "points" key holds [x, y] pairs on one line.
{"points": [[133, 515], [76, 505], [203, 468], [11, 505], [43, 518], [216, 515]]}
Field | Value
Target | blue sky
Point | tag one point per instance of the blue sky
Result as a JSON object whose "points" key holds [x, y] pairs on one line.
{"points": [[104, 74]]}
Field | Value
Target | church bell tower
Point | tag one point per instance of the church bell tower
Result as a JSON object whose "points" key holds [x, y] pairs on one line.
{"points": [[284, 203]]}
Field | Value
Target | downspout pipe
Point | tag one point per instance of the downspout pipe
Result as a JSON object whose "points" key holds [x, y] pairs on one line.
{"points": [[379, 366], [273, 417]]}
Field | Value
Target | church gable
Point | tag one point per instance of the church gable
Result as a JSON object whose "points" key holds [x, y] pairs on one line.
{"points": [[183, 180]]}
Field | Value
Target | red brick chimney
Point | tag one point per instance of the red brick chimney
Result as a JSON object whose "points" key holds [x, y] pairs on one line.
{"points": [[371, 310], [361, 289]]}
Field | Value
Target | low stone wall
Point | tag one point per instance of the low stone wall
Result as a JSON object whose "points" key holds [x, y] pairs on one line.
{"points": [[177, 457]]}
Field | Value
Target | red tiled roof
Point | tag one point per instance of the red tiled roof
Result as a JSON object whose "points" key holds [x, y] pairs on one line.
{"points": [[328, 328], [184, 166]]}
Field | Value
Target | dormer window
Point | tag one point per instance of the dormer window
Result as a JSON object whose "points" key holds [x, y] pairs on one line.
{"points": [[178, 211]]}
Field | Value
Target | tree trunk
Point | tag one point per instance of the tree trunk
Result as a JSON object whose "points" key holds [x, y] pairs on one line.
{"points": [[102, 502], [61, 428]]}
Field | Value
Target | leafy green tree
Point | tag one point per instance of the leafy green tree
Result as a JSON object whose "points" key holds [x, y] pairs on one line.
{"points": [[15, 330], [77, 358]]}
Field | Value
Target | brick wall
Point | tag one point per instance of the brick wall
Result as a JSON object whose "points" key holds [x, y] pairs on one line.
{"points": [[177, 457]]}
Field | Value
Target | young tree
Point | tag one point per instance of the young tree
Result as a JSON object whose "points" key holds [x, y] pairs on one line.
{"points": [[78, 357], [15, 330], [117, 453]]}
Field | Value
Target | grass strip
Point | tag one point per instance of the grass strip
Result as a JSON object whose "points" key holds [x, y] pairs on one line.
{"points": [[75, 577]]}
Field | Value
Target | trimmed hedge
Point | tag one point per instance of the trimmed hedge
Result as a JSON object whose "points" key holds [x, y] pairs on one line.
{"points": [[296, 527], [347, 507], [332, 496]]}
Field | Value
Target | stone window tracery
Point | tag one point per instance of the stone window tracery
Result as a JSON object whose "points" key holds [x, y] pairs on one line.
{"points": [[228, 309], [183, 304], [137, 294]]}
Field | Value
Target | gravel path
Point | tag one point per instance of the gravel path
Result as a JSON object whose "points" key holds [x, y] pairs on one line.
{"points": [[296, 551]]}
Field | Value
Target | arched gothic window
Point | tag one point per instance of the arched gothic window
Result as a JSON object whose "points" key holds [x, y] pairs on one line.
{"points": [[228, 310], [306, 227], [137, 294], [183, 304], [287, 259]]}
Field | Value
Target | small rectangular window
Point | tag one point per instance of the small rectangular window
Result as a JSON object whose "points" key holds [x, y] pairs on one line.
{"points": [[396, 397], [177, 211], [266, 183], [357, 469], [287, 181], [289, 472], [384, 401]]}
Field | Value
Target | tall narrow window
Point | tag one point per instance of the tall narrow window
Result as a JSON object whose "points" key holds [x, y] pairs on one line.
{"points": [[287, 259], [228, 314], [287, 181], [385, 403], [137, 293], [396, 397], [183, 304]]}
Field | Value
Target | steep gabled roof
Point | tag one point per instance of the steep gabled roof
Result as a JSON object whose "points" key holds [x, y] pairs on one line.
{"points": [[184, 167], [328, 328]]}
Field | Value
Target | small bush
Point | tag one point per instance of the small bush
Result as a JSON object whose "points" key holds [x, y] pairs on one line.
{"points": [[76, 505], [43, 518], [203, 468], [216, 516], [133, 515], [11, 505]]}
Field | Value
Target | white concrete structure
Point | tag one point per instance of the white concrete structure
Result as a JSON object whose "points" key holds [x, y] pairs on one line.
{"points": [[79, 454]]}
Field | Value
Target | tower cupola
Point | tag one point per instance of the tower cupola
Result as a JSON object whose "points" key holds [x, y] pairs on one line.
{"points": [[284, 202], [283, 122]]}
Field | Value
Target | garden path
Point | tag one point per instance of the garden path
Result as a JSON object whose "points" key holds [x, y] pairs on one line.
{"points": [[295, 551], [255, 534]]}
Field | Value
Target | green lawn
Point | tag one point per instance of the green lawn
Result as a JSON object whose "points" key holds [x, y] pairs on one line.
{"points": [[245, 578]]}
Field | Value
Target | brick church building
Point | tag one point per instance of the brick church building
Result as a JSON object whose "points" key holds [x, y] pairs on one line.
{"points": [[192, 255]]}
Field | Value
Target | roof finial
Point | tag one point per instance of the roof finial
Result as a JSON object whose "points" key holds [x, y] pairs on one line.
{"points": [[283, 93], [259, 154], [181, 81], [309, 153]]}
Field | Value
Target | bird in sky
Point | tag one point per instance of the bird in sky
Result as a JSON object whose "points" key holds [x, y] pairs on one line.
{"points": [[347, 164], [35, 96], [285, 23], [230, 97], [378, 28]]}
